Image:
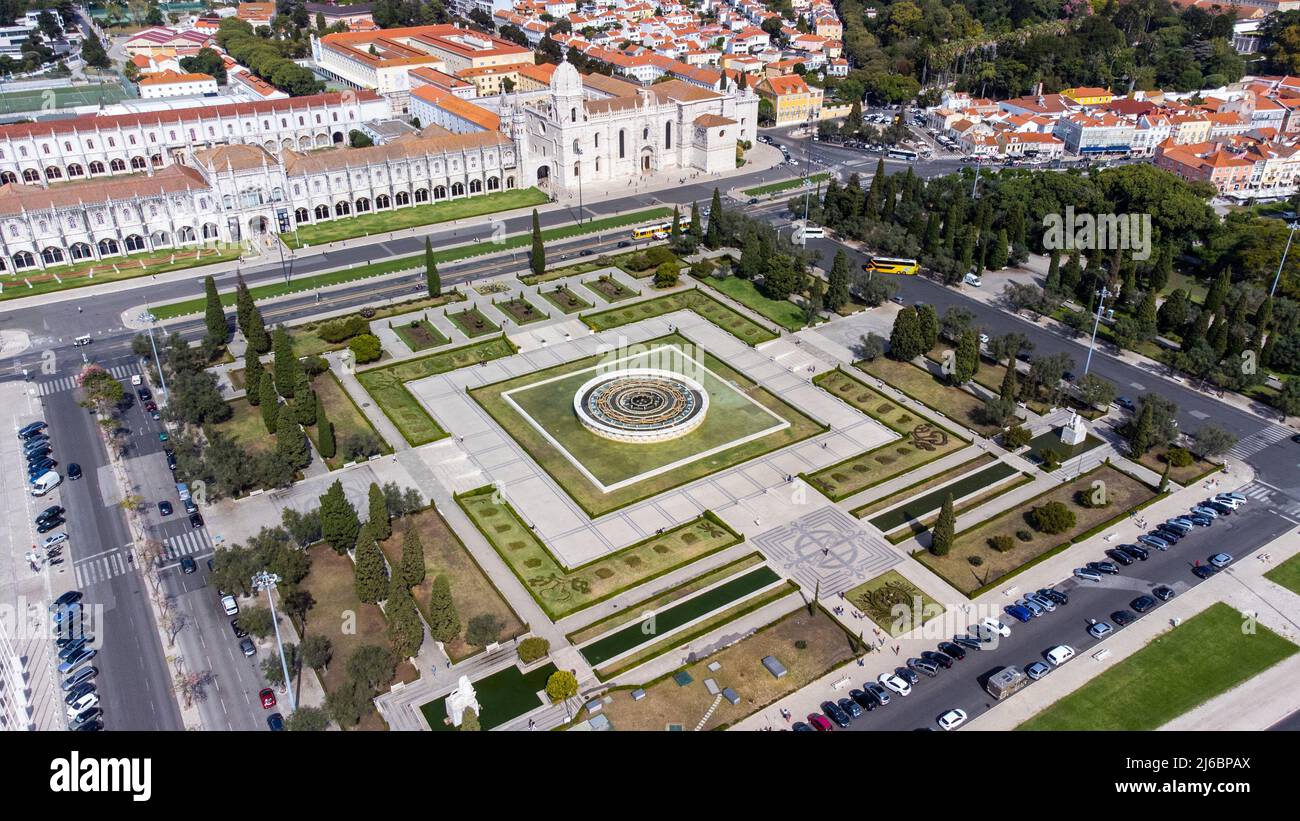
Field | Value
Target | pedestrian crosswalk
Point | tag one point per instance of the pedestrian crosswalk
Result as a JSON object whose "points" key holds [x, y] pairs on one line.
{"points": [[111, 565], [1257, 441], [67, 383], [1257, 492]]}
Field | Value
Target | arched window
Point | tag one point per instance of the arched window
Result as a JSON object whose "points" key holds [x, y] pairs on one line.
{"points": [[31, 175], [668, 135], [134, 242], [108, 246], [342, 209], [645, 133], [117, 165], [596, 136], [510, 182], [493, 184], [322, 212], [8, 177], [96, 167], [76, 170], [209, 230], [80, 250], [23, 259], [363, 205], [403, 198], [476, 186], [157, 160], [598, 164], [300, 215], [575, 147], [186, 233], [439, 193], [421, 195], [573, 115], [382, 201], [457, 189], [622, 143], [53, 173], [577, 169], [137, 163], [52, 255]]}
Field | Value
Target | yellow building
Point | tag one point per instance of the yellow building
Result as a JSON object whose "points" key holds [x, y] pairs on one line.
{"points": [[1089, 96], [793, 100]]}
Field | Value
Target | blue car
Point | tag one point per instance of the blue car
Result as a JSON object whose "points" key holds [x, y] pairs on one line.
{"points": [[1018, 612]]}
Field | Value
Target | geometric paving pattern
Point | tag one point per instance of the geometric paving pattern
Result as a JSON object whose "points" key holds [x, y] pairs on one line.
{"points": [[826, 546]]}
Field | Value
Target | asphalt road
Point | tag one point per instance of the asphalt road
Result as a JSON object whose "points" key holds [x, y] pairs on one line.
{"points": [[962, 686]]}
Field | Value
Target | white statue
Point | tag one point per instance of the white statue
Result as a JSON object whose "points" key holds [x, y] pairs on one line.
{"points": [[461, 699], [1074, 432]]}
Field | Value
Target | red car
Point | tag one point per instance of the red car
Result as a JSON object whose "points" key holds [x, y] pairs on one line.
{"points": [[821, 722], [268, 698]]}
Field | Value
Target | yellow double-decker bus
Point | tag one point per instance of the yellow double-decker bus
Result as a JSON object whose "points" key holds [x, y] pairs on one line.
{"points": [[891, 265], [660, 230]]}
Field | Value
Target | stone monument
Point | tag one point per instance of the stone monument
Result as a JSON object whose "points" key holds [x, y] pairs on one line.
{"points": [[1073, 432], [461, 699]]}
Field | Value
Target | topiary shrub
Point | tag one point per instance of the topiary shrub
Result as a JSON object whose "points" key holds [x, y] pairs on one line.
{"points": [[1179, 457], [1024, 535], [1001, 543], [533, 648], [1053, 518], [1016, 438], [366, 347], [315, 365]]}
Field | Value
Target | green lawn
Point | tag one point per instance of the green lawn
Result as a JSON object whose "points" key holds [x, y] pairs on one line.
{"points": [[566, 300], [307, 341], [246, 428], [610, 289], [772, 188], [626, 262], [923, 484], [1287, 574], [503, 696], [922, 386], [660, 623], [419, 335], [67, 96], [781, 311], [382, 222], [520, 311], [473, 323], [921, 442], [34, 282], [917, 507], [744, 329], [1183, 668], [386, 385], [739, 407], [896, 605], [344, 415], [560, 591], [414, 262]]}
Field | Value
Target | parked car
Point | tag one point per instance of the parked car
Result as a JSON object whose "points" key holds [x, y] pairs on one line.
{"points": [[1142, 604], [851, 707], [1042, 601], [1217, 507], [952, 650], [74, 471], [1059, 654], [47, 526], [874, 690], [1154, 541], [82, 704], [1123, 618], [894, 683], [229, 605], [1087, 574], [164, 508], [1204, 571], [923, 667], [267, 697], [798, 726], [1099, 629], [937, 659], [86, 719], [996, 626], [1239, 497], [1139, 553], [952, 719], [1208, 513], [1168, 534], [1163, 592], [1055, 595], [1037, 670], [75, 694], [863, 700], [247, 647], [968, 642], [31, 429], [1119, 556], [1126, 403], [240, 632], [1104, 567], [907, 675], [1018, 612], [275, 722], [1035, 609], [1221, 560], [80, 677]]}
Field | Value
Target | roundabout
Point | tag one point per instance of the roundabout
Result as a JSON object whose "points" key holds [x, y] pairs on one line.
{"points": [[641, 405]]}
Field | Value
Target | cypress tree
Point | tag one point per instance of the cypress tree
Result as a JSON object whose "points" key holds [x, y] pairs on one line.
{"points": [[1053, 283], [269, 403], [906, 341], [1139, 440], [444, 622], [1010, 382], [339, 524], [290, 442], [324, 432], [1146, 313], [380, 526], [1071, 274], [675, 232], [931, 243], [538, 256], [243, 306], [996, 259], [1218, 293], [837, 295], [1160, 273], [431, 278], [259, 340], [214, 314], [370, 574], [1164, 479], [696, 232], [252, 377], [942, 535], [285, 365], [405, 630], [304, 402], [713, 234], [412, 566], [968, 358]]}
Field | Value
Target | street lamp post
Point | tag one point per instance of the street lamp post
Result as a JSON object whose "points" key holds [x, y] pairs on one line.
{"points": [[1285, 251], [266, 580], [148, 316], [1101, 306], [578, 152]]}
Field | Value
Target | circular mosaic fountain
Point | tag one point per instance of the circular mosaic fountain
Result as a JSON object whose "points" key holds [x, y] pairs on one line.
{"points": [[641, 405]]}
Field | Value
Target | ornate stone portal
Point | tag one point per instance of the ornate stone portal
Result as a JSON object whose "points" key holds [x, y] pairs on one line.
{"points": [[641, 405]]}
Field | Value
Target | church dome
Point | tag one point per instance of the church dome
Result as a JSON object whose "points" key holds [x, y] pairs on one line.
{"points": [[565, 81]]}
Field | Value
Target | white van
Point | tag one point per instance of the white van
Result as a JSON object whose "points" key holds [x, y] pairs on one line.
{"points": [[45, 483], [973, 279], [81, 340]]}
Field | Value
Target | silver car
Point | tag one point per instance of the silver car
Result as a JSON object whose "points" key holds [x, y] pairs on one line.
{"points": [[1042, 601]]}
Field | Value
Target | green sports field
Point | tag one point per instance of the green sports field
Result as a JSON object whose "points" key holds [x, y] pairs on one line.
{"points": [[44, 99]]}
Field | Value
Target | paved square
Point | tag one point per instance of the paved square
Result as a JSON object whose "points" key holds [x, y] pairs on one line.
{"points": [[828, 547]]}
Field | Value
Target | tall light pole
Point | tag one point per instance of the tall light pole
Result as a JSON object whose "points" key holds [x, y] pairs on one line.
{"points": [[1285, 251], [1101, 306], [266, 580], [148, 316], [578, 152]]}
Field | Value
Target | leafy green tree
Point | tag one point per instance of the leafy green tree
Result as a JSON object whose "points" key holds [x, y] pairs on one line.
{"points": [[372, 666], [1096, 391], [412, 567], [1052, 518], [533, 649], [257, 621], [371, 579], [561, 686], [444, 621], [324, 431], [431, 279], [380, 525], [307, 720], [483, 629], [317, 651], [269, 402], [1213, 440], [941, 536], [906, 341], [537, 258], [92, 50], [469, 722], [338, 519]]}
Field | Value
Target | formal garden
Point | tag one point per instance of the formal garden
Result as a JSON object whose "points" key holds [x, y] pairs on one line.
{"points": [[353, 433], [562, 591], [419, 335], [609, 289], [895, 604], [741, 327], [565, 299], [472, 322]]}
